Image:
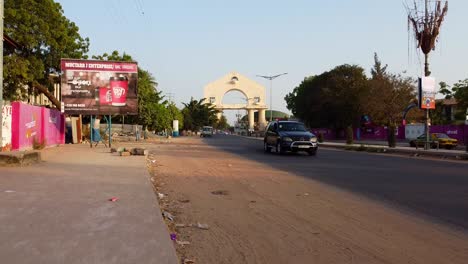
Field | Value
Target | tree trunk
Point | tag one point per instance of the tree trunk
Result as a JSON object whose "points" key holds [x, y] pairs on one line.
{"points": [[51, 97], [426, 65]]}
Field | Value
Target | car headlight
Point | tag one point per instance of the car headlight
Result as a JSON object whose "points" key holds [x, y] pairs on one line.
{"points": [[287, 139], [313, 139]]}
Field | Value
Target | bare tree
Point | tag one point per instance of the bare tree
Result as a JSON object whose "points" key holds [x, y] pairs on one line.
{"points": [[426, 24]]}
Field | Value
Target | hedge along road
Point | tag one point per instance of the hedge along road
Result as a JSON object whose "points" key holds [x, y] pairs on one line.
{"points": [[334, 208]]}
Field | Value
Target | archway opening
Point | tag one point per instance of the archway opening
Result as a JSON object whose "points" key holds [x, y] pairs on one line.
{"points": [[234, 117], [234, 97]]}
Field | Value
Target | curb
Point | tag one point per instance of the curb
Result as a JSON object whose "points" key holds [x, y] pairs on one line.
{"points": [[385, 149], [11, 159]]}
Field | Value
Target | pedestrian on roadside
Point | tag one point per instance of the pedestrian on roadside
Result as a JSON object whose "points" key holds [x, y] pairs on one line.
{"points": [[96, 130], [137, 132]]}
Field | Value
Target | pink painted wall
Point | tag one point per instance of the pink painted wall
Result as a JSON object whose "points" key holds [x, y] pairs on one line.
{"points": [[459, 132], [53, 127], [371, 133], [33, 122]]}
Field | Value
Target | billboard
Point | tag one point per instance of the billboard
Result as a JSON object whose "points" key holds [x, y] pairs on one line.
{"points": [[91, 87], [427, 92]]}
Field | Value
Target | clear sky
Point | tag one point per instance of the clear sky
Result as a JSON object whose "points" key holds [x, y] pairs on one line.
{"points": [[188, 44]]}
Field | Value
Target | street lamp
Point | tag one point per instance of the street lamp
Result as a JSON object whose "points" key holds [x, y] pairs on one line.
{"points": [[271, 78]]}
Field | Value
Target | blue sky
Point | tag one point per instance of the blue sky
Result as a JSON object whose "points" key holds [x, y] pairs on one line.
{"points": [[188, 44]]}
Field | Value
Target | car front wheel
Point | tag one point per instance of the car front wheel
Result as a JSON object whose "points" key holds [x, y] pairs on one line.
{"points": [[279, 149], [266, 148]]}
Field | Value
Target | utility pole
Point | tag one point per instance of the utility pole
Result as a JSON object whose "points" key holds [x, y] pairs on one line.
{"points": [[2, 4], [427, 145], [271, 78], [170, 97]]}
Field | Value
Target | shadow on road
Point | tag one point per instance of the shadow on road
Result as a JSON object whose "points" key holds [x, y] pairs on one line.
{"points": [[436, 189]]}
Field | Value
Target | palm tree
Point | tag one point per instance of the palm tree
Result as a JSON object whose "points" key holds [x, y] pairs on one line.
{"points": [[197, 114]]}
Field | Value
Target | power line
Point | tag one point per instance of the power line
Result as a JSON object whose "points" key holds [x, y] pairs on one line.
{"points": [[170, 97], [140, 3], [139, 7]]}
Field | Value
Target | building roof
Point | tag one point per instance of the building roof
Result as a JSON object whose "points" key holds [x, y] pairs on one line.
{"points": [[450, 101]]}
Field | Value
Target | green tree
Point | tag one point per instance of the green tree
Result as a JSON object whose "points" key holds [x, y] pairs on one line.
{"points": [[460, 90], [114, 56], [222, 123], [445, 90], [389, 94], [296, 101], [378, 72], [175, 114], [437, 115], [152, 112], [45, 36], [163, 120], [197, 114], [331, 99]]}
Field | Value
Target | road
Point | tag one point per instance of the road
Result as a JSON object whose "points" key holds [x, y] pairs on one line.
{"points": [[438, 189], [337, 207]]}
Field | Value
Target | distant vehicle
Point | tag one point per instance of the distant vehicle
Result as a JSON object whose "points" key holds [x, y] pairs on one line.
{"points": [[207, 131], [443, 139], [289, 136]]}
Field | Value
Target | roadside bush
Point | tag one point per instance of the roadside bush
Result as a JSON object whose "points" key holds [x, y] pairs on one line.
{"points": [[391, 136], [349, 135]]}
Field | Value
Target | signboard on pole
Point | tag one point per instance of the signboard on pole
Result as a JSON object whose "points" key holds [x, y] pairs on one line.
{"points": [[91, 87], [427, 92]]}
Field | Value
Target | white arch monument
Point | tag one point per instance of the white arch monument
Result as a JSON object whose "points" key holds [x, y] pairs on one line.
{"points": [[254, 93]]}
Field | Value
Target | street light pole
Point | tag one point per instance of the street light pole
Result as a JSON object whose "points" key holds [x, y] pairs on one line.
{"points": [[271, 78]]}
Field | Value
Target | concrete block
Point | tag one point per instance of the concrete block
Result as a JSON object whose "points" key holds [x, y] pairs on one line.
{"points": [[19, 158], [138, 151]]}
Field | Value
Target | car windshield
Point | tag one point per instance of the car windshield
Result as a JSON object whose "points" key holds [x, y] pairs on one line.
{"points": [[207, 129], [291, 127], [441, 135]]}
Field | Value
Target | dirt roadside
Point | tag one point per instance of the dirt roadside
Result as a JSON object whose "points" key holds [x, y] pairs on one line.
{"points": [[256, 214]]}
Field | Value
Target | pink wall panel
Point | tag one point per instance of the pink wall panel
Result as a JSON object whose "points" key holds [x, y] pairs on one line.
{"points": [[33, 122]]}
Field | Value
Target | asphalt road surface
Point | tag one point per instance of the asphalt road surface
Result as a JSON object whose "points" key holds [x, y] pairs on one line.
{"points": [[436, 190]]}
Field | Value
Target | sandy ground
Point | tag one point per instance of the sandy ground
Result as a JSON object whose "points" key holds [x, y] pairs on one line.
{"points": [[257, 214]]}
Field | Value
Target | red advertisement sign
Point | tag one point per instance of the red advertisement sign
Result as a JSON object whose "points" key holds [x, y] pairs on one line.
{"points": [[99, 87]]}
